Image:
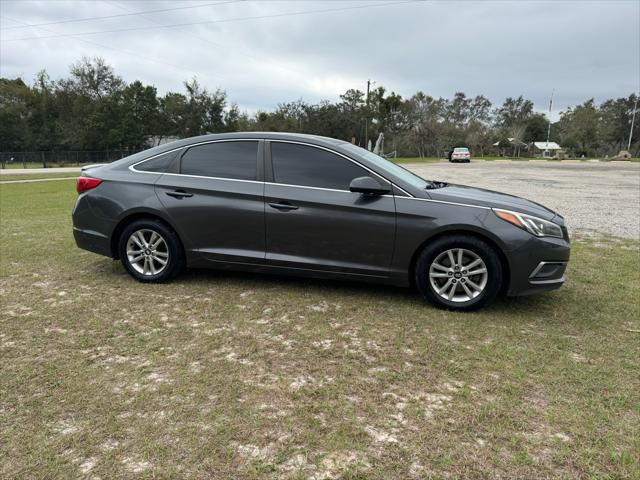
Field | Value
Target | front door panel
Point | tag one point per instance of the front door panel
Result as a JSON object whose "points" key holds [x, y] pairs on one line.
{"points": [[329, 229]]}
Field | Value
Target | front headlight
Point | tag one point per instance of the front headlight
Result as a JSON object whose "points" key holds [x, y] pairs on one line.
{"points": [[534, 225]]}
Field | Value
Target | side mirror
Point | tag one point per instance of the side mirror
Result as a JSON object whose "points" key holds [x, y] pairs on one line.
{"points": [[368, 186]]}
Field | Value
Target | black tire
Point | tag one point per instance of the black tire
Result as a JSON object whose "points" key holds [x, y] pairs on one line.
{"points": [[175, 261], [475, 245]]}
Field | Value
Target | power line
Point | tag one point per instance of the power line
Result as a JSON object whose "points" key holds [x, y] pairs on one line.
{"points": [[234, 50], [90, 42], [88, 19], [226, 20]]}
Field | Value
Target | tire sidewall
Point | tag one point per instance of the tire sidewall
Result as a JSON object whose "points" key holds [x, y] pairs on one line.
{"points": [[477, 246], [173, 246]]}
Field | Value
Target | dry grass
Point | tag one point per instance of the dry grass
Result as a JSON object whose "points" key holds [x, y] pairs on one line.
{"points": [[238, 376]]}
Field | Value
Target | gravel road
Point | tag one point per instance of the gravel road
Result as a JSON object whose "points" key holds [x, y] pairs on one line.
{"points": [[593, 197]]}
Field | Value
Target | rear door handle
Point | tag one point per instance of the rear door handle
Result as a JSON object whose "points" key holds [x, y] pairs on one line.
{"points": [[179, 194], [285, 207]]}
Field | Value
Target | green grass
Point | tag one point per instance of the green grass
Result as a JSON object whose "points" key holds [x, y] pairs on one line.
{"points": [[19, 165], [35, 176], [221, 375]]}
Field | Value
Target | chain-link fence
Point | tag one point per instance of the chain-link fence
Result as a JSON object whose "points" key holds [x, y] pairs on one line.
{"points": [[61, 158]]}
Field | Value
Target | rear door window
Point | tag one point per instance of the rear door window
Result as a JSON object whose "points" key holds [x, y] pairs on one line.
{"points": [[236, 160], [295, 164]]}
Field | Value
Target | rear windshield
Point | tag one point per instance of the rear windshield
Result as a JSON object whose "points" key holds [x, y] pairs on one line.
{"points": [[460, 150]]}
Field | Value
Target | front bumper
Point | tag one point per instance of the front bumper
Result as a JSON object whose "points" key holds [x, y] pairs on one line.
{"points": [[538, 266]]}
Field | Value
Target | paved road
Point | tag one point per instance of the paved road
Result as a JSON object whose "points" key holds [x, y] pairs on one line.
{"points": [[602, 197]]}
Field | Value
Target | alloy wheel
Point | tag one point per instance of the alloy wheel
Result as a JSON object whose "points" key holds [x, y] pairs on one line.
{"points": [[147, 252], [458, 275]]}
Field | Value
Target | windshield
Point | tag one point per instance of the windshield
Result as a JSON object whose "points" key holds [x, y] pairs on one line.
{"points": [[387, 166]]}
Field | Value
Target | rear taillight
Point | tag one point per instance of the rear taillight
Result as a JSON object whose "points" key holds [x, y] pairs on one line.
{"points": [[86, 183]]}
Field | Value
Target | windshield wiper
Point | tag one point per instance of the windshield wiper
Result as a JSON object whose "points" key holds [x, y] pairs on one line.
{"points": [[432, 185]]}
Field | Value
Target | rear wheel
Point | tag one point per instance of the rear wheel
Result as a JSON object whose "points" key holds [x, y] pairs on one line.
{"points": [[150, 251], [458, 273]]}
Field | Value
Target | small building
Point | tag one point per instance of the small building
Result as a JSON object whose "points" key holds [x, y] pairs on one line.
{"points": [[546, 149], [510, 147]]}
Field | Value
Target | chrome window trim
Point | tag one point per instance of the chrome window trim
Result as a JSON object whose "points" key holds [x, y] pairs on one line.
{"points": [[132, 167], [335, 153]]}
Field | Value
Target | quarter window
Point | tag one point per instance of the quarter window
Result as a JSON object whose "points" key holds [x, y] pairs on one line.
{"points": [[158, 164], [235, 160], [295, 164]]}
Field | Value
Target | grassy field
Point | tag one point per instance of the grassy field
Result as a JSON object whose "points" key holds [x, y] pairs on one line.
{"points": [[35, 176], [221, 375]]}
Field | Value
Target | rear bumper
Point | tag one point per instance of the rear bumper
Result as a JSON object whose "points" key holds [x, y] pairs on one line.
{"points": [[92, 241]]}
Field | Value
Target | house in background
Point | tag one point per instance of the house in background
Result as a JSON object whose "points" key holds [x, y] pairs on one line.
{"points": [[510, 147], [546, 150]]}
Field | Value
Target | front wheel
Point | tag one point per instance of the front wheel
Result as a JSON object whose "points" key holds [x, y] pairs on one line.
{"points": [[458, 273], [150, 251]]}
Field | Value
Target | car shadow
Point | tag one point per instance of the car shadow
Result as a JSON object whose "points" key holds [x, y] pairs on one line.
{"points": [[252, 280]]}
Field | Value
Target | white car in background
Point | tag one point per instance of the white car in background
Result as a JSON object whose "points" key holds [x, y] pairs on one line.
{"points": [[460, 154]]}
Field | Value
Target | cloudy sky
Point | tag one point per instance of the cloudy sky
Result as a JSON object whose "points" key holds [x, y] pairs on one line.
{"points": [[266, 52]]}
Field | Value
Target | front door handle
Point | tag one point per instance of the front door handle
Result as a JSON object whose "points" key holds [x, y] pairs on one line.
{"points": [[284, 206], [179, 194]]}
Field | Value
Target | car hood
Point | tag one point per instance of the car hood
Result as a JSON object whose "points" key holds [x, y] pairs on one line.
{"points": [[489, 198]]}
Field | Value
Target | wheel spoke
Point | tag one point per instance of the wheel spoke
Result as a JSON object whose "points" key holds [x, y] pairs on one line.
{"points": [[460, 251], [477, 261], [136, 240], [137, 259], [451, 258], [161, 261], [152, 239], [161, 254], [439, 275], [474, 285], [445, 286], [440, 267], [467, 291], [452, 292], [143, 242], [134, 252], [477, 272]]}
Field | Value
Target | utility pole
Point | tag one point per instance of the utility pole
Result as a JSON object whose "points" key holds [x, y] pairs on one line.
{"points": [[549, 129], [366, 119], [633, 120]]}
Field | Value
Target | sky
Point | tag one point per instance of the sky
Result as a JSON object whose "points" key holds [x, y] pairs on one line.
{"points": [[263, 53]]}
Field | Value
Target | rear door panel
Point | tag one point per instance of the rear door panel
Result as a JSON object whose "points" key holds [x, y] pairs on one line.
{"points": [[223, 219]]}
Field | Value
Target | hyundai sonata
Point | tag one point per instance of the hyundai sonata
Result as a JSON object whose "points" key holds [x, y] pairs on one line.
{"points": [[319, 207]]}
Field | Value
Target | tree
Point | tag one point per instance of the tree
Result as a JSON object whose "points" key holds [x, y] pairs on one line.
{"points": [[140, 114], [536, 128], [579, 126], [513, 112], [15, 110]]}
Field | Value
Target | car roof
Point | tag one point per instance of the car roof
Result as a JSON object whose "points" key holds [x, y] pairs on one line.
{"points": [[301, 137]]}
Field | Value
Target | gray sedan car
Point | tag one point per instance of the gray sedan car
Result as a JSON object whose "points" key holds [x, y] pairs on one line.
{"points": [[319, 207]]}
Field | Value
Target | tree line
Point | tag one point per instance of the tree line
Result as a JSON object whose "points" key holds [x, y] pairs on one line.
{"points": [[95, 109]]}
